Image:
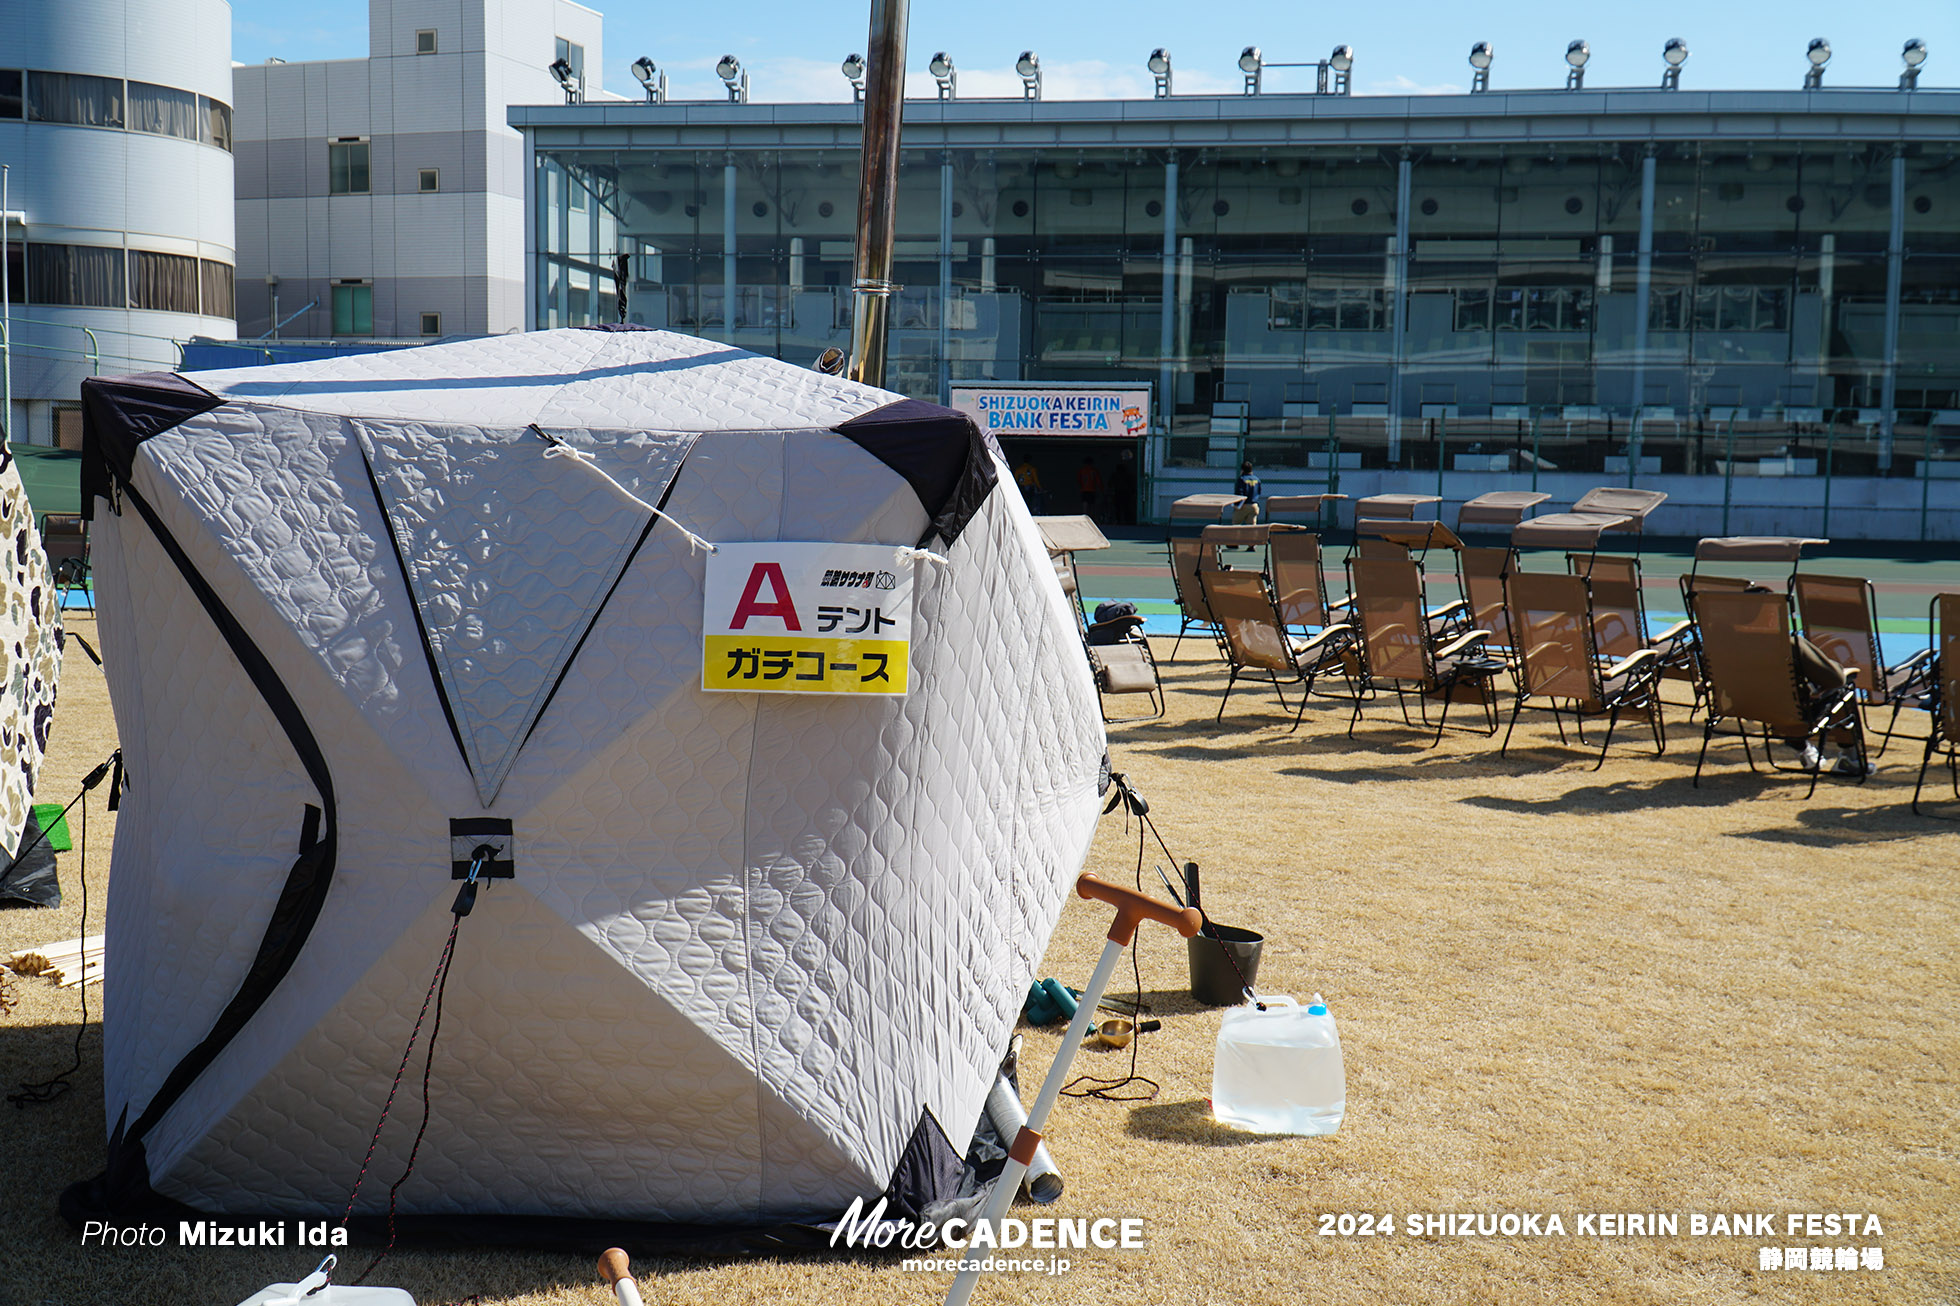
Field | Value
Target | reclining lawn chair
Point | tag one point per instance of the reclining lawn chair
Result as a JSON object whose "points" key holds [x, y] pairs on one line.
{"points": [[1732, 549], [1390, 539], [64, 535], [1122, 663], [1840, 616], [1253, 638], [1748, 657], [1188, 518], [1485, 568], [1629, 508], [1559, 661], [1399, 652], [1942, 692], [1300, 578]]}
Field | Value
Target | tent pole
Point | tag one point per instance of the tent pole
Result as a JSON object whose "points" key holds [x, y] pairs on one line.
{"points": [[884, 112]]}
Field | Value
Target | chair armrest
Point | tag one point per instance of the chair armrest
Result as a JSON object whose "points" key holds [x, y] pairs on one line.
{"points": [[1634, 662], [1851, 677], [1923, 657], [1676, 631], [1447, 610], [1462, 642], [1325, 634]]}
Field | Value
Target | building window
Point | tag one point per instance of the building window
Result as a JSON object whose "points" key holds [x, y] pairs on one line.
{"points": [[425, 41], [219, 289], [75, 98], [163, 283], [347, 167], [574, 54], [90, 276], [426, 181], [11, 102], [432, 324], [162, 110], [214, 122], [353, 309]]}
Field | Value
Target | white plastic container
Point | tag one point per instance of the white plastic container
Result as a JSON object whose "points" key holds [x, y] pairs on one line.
{"points": [[1279, 1071], [314, 1290]]}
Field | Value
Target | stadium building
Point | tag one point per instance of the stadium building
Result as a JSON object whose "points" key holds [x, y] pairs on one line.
{"points": [[1748, 299]]}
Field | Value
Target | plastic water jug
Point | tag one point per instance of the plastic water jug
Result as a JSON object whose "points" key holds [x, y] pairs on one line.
{"points": [[1279, 1071], [314, 1290]]}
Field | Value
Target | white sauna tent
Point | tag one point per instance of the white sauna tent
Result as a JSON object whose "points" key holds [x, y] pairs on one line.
{"points": [[756, 955]]}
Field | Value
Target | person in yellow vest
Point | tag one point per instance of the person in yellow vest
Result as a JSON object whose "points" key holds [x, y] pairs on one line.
{"points": [[1029, 480], [1247, 513]]}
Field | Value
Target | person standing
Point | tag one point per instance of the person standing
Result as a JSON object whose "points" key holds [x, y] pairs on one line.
{"points": [[1029, 479], [1089, 482], [1247, 486]]}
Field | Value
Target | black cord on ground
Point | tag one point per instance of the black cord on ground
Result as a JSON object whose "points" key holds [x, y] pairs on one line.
{"points": [[1113, 1090], [50, 1089]]}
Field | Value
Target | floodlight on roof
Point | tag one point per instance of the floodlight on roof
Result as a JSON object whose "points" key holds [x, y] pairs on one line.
{"points": [[1029, 67], [945, 74], [1576, 55], [569, 80], [1674, 54], [1481, 55], [729, 69], [1819, 54], [1251, 63], [1159, 64], [649, 76], [1914, 54], [1342, 62], [853, 70]]}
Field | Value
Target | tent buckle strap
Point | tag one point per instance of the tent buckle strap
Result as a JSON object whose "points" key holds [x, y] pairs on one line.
{"points": [[483, 847]]}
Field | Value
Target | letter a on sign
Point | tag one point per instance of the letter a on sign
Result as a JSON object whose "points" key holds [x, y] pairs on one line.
{"points": [[750, 604]]}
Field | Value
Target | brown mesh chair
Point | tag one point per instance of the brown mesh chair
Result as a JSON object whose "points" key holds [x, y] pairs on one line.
{"points": [[1942, 693], [1620, 613], [1728, 549], [1748, 658], [1186, 554], [1300, 578], [1253, 638], [64, 535], [1399, 652], [1559, 661], [1484, 570], [1840, 616], [1123, 665]]}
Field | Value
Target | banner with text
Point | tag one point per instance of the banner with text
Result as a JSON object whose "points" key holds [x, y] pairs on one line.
{"points": [[804, 618], [1118, 413]]}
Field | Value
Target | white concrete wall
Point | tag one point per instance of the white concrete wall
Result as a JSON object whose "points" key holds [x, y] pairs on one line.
{"points": [[458, 252], [111, 187]]}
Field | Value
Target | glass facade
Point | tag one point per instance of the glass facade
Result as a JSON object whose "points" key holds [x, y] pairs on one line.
{"points": [[1622, 309]]}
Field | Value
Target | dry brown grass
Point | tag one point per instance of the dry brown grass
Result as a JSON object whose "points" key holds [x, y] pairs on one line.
{"points": [[1558, 991]]}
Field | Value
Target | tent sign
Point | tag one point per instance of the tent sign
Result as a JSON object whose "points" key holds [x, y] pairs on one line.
{"points": [[799, 618]]}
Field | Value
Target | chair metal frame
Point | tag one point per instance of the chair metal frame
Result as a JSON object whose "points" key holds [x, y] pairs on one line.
{"points": [[1442, 666], [1943, 695], [1835, 709], [1243, 599], [1595, 693], [1857, 645]]}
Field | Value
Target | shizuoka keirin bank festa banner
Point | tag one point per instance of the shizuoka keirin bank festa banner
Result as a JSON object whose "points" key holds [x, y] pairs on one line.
{"points": [[802, 618], [1070, 412]]}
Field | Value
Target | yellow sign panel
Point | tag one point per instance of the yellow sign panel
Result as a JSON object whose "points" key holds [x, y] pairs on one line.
{"points": [[805, 664]]}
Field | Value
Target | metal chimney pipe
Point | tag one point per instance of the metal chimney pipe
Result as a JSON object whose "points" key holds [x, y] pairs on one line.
{"points": [[884, 113]]}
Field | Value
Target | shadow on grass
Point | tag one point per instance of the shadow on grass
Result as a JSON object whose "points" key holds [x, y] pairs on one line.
{"points": [[1188, 1122], [1842, 827]]}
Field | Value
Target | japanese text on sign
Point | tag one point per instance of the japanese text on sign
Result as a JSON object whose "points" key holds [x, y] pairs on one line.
{"points": [[804, 618]]}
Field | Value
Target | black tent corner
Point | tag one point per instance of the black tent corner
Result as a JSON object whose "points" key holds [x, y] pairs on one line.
{"points": [[119, 413], [949, 463]]}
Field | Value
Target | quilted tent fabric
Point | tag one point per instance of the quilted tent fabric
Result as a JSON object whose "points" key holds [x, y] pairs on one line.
{"points": [[30, 631], [751, 942]]}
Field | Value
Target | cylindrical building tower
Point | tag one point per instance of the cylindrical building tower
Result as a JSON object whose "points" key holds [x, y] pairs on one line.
{"points": [[115, 126]]}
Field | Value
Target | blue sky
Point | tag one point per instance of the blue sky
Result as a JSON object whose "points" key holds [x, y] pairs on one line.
{"points": [[1094, 49]]}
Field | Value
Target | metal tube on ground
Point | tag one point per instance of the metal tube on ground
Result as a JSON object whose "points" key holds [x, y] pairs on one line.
{"points": [[1044, 1182]]}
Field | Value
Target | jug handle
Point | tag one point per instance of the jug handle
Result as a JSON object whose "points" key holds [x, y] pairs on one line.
{"points": [[1281, 1001]]}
